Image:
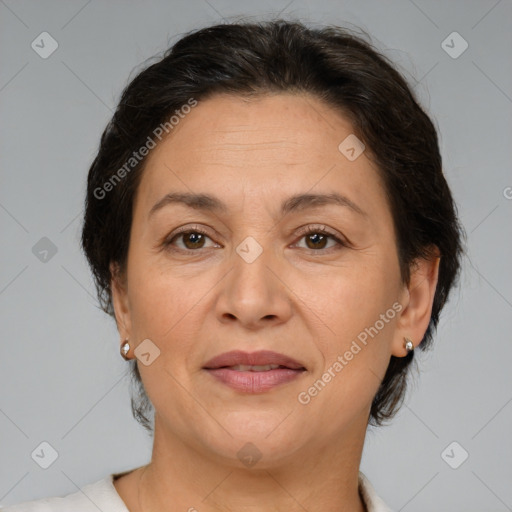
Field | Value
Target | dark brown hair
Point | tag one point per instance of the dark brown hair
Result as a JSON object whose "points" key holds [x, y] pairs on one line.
{"points": [[334, 65]]}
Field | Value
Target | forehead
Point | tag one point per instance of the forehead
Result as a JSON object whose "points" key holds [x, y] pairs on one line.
{"points": [[278, 125], [255, 147]]}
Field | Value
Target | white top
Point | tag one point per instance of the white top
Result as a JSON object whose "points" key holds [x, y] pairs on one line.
{"points": [[102, 495]]}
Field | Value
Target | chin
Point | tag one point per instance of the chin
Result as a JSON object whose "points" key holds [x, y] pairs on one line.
{"points": [[258, 439]]}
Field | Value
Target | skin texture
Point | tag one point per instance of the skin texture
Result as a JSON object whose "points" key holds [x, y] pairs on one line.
{"points": [[303, 297]]}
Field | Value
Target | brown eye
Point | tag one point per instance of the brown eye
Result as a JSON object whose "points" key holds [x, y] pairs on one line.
{"points": [[317, 238], [191, 240]]}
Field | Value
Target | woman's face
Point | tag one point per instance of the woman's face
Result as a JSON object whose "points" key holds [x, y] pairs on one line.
{"points": [[247, 277]]}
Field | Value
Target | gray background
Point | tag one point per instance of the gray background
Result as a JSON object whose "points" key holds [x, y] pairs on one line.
{"points": [[61, 377]]}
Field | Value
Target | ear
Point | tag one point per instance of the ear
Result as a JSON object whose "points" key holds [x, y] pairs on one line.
{"points": [[417, 300], [120, 301]]}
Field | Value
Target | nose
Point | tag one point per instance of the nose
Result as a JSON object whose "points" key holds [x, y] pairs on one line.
{"points": [[254, 293]]}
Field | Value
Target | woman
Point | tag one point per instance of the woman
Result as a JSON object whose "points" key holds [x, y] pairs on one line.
{"points": [[268, 222]]}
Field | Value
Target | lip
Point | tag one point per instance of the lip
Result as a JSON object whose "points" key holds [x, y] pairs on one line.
{"points": [[260, 358], [253, 381]]}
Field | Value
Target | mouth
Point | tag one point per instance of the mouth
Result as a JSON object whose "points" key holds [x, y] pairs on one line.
{"points": [[255, 368], [254, 372]]}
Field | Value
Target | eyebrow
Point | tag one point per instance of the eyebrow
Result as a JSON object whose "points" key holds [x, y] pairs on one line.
{"points": [[299, 202]]}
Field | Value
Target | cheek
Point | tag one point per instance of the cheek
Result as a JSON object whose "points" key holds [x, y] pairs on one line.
{"points": [[168, 306], [160, 299], [162, 309], [361, 319], [357, 297], [354, 356]]}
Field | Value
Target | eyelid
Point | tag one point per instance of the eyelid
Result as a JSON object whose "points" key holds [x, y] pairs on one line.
{"points": [[186, 229], [320, 227]]}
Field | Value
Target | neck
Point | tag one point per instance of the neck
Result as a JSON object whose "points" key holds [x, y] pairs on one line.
{"points": [[323, 476]]}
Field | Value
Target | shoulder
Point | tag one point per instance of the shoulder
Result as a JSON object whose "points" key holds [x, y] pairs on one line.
{"points": [[372, 501], [100, 495]]}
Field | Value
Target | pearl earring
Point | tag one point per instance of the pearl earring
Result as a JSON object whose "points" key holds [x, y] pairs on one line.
{"points": [[408, 345], [125, 348]]}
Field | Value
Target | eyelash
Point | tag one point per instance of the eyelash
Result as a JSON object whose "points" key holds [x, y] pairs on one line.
{"points": [[303, 233]]}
